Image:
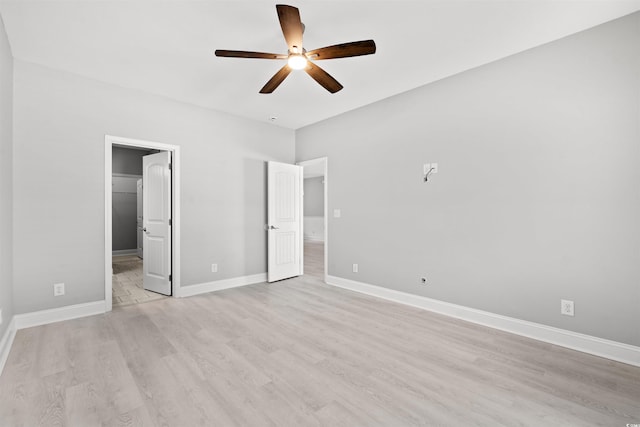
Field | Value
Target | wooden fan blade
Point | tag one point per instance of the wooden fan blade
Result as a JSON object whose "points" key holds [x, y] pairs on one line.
{"points": [[344, 50], [276, 79], [245, 54], [291, 24], [322, 77]]}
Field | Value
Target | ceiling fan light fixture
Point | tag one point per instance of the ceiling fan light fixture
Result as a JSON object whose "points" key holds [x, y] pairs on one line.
{"points": [[297, 57], [297, 61]]}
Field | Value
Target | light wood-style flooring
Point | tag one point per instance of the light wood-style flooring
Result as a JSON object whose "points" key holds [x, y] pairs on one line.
{"points": [[126, 284], [314, 259], [301, 353]]}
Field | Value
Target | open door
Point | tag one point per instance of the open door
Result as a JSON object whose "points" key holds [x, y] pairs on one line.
{"points": [[156, 222], [139, 218], [284, 216]]}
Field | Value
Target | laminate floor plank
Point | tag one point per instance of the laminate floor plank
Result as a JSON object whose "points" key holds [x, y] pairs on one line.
{"points": [[81, 409], [314, 258], [282, 403], [138, 417], [196, 393], [301, 353], [629, 399]]}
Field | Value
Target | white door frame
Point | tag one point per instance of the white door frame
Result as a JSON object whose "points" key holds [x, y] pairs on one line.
{"points": [[325, 163], [109, 142]]}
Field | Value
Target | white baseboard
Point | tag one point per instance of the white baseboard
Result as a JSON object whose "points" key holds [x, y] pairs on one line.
{"points": [[123, 252], [613, 350], [37, 318], [218, 285], [69, 312], [6, 342], [314, 238]]}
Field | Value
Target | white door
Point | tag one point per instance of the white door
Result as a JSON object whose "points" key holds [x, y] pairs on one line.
{"points": [[156, 222], [139, 217], [284, 216]]}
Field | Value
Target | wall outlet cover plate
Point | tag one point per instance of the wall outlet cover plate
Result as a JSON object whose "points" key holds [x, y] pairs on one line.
{"points": [[566, 307]]}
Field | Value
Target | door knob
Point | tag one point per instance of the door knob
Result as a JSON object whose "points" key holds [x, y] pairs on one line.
{"points": [[271, 227]]}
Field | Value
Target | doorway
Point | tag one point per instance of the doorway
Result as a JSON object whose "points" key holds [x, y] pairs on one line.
{"points": [[125, 269], [128, 280], [315, 218]]}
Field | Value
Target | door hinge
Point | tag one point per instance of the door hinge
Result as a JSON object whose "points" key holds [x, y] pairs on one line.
{"points": [[169, 166], [170, 278], [170, 223]]}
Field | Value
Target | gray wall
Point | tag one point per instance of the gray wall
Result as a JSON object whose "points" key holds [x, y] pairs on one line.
{"points": [[6, 180], [536, 198], [60, 117], [124, 203], [127, 160], [124, 213], [314, 196]]}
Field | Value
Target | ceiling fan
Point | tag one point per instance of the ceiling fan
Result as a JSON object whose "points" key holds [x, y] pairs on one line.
{"points": [[298, 58]]}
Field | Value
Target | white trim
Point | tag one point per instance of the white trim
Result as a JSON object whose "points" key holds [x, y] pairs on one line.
{"points": [[6, 342], [126, 175], [44, 317], [314, 239], [123, 252], [326, 218], [613, 350], [325, 160], [300, 219], [109, 141], [108, 218], [218, 285]]}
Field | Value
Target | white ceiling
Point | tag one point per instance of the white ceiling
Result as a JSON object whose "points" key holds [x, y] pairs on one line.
{"points": [[166, 47]]}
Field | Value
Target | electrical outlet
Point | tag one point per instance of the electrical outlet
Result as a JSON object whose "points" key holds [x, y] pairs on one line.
{"points": [[214, 268], [337, 213], [355, 268], [58, 289], [423, 280], [566, 307]]}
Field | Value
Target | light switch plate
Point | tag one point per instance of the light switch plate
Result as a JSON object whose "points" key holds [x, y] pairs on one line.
{"points": [[336, 213]]}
